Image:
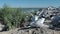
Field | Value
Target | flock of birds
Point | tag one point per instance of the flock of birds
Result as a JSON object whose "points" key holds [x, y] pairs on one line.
{"points": [[38, 20]]}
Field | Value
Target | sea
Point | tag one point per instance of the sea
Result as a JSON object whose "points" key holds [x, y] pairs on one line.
{"points": [[30, 9]]}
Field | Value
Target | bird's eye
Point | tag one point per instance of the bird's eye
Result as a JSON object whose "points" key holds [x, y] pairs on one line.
{"points": [[51, 15]]}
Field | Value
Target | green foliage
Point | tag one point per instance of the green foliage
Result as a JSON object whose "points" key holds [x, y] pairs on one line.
{"points": [[12, 16]]}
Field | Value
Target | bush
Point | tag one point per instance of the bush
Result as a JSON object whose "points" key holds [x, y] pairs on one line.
{"points": [[11, 16]]}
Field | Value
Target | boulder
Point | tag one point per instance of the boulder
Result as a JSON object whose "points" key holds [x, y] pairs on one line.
{"points": [[1, 27]]}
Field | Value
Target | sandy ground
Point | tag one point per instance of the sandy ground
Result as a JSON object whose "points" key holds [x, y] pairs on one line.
{"points": [[9, 32], [14, 31]]}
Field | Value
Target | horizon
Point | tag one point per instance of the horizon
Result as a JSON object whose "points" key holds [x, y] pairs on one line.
{"points": [[30, 3]]}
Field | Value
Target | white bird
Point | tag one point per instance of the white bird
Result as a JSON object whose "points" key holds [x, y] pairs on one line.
{"points": [[38, 22]]}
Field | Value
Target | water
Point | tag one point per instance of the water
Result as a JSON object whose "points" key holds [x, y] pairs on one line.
{"points": [[30, 9]]}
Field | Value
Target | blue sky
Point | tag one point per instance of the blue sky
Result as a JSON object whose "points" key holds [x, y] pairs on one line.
{"points": [[30, 3]]}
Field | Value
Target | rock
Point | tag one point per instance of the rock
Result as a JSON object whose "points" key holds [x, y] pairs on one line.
{"points": [[1, 27]]}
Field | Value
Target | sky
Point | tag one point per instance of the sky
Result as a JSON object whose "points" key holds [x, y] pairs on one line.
{"points": [[30, 3]]}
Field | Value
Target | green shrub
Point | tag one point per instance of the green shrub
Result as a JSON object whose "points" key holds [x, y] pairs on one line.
{"points": [[12, 16]]}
